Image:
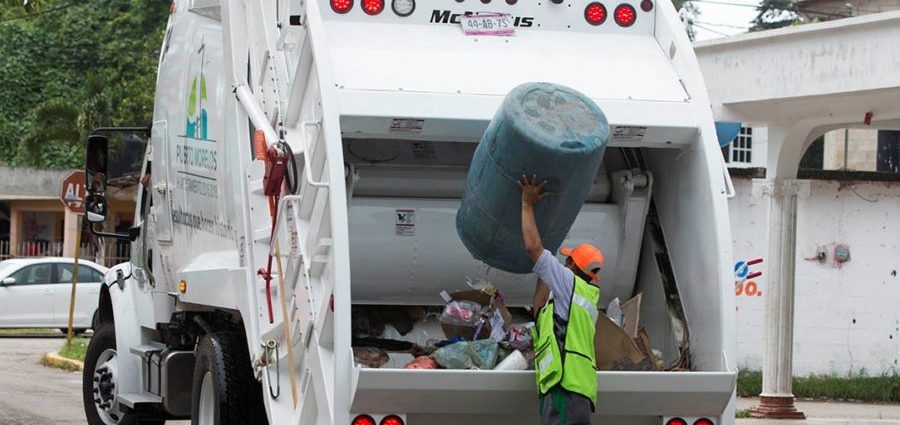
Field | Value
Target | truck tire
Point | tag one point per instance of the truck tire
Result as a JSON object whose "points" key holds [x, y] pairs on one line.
{"points": [[100, 352], [95, 320], [225, 392]]}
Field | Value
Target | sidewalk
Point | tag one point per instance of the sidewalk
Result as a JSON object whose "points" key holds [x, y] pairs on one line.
{"points": [[830, 413]]}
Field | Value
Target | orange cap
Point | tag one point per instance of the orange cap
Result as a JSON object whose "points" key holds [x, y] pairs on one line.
{"points": [[587, 257]]}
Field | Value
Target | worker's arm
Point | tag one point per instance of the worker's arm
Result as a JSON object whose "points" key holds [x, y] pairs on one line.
{"points": [[531, 193], [541, 295]]}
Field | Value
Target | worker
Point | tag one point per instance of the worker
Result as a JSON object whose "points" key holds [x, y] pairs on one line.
{"points": [[565, 324]]}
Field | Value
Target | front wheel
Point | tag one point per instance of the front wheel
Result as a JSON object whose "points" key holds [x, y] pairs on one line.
{"points": [[99, 385], [225, 391]]}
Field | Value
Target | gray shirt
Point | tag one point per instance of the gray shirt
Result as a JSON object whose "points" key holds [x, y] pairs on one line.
{"points": [[559, 279]]}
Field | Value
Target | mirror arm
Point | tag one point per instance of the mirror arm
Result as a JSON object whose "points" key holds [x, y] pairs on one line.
{"points": [[98, 130], [131, 237]]}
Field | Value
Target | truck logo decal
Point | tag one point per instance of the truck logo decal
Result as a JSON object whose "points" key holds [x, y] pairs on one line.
{"points": [[196, 121], [448, 17], [196, 152], [195, 126]]}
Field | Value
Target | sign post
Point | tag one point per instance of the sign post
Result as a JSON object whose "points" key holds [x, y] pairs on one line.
{"points": [[72, 195]]}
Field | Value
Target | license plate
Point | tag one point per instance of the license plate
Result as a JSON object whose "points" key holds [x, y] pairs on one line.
{"points": [[487, 24]]}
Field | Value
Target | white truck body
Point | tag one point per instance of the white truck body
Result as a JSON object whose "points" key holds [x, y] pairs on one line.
{"points": [[383, 113]]}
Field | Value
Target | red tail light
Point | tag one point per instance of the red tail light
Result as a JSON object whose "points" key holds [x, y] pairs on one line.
{"points": [[703, 421], [676, 421], [341, 6], [625, 15], [595, 13], [647, 5], [392, 420], [372, 7], [363, 419]]}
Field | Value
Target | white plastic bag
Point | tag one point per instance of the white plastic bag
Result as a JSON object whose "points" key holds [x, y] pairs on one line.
{"points": [[614, 312]]}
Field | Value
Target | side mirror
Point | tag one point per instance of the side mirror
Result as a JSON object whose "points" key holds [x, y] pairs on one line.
{"points": [[96, 164], [95, 208], [96, 174], [8, 281]]}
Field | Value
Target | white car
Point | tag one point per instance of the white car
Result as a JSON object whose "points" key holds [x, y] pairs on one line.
{"points": [[35, 292]]}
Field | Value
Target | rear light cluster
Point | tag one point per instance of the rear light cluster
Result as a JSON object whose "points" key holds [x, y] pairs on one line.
{"points": [[624, 14], [595, 13], [680, 421], [392, 420], [341, 6], [368, 420], [402, 8], [363, 420], [372, 7]]}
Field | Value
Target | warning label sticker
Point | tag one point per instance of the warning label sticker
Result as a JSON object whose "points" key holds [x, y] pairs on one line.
{"points": [[407, 125], [631, 133], [405, 222]]}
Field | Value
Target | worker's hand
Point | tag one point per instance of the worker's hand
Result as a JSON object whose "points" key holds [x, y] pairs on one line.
{"points": [[531, 192]]}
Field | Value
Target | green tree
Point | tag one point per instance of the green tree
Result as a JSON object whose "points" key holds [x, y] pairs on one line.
{"points": [[773, 14], [26, 6], [69, 66]]}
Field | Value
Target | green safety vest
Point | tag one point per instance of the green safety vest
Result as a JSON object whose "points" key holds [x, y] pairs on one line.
{"points": [[576, 368]]}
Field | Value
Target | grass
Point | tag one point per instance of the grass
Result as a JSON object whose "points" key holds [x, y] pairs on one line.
{"points": [[858, 387], [76, 350], [742, 414], [27, 331]]}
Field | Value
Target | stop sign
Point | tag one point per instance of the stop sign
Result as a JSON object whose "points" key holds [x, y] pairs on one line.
{"points": [[73, 192]]}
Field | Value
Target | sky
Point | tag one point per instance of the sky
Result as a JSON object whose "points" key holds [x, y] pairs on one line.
{"points": [[719, 20]]}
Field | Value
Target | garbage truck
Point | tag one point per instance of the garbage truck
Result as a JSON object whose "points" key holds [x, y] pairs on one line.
{"points": [[304, 165]]}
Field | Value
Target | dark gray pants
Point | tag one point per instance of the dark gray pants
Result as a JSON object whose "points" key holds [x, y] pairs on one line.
{"points": [[561, 407]]}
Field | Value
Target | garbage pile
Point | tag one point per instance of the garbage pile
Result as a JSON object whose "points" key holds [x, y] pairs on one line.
{"points": [[474, 330]]}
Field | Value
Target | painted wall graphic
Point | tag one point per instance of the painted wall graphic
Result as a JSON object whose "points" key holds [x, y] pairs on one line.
{"points": [[745, 276]]}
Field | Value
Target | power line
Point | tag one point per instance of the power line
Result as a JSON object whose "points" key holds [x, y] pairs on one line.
{"points": [[725, 3], [723, 25], [804, 10], [710, 30], [43, 12]]}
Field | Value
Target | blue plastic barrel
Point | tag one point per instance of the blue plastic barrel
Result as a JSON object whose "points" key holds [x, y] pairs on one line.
{"points": [[545, 129]]}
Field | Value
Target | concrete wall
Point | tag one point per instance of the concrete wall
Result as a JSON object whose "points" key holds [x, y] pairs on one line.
{"points": [[847, 316], [829, 73], [30, 183]]}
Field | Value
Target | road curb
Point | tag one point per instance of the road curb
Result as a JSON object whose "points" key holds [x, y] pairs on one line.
{"points": [[53, 359]]}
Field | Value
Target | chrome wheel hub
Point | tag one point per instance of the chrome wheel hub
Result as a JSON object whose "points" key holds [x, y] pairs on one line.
{"points": [[104, 387]]}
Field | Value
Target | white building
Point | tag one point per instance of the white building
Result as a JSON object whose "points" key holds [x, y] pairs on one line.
{"points": [[847, 314]]}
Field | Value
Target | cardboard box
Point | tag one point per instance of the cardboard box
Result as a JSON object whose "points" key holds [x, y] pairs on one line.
{"points": [[616, 350], [468, 332]]}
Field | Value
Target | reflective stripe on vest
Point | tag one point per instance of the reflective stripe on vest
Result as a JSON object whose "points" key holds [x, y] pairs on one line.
{"points": [[575, 369], [545, 362], [586, 304]]}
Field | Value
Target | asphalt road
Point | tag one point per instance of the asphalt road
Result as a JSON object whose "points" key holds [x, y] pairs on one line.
{"points": [[31, 394]]}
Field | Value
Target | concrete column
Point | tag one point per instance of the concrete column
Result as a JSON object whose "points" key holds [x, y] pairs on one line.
{"points": [[777, 398], [70, 231], [15, 229]]}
